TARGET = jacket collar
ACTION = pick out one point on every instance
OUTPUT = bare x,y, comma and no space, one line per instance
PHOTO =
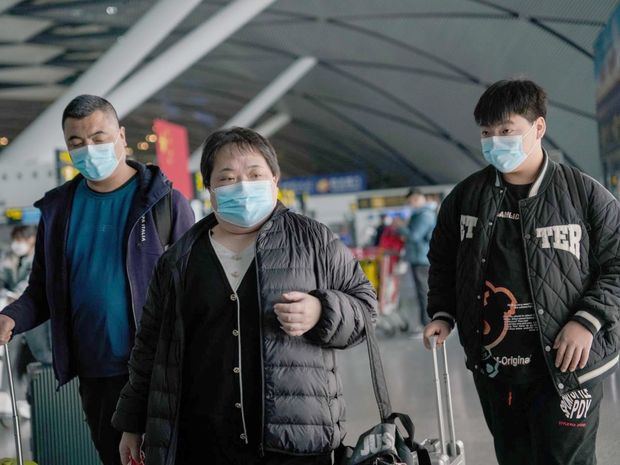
542,180
184,246
152,186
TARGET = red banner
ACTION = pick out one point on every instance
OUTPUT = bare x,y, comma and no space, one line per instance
172,149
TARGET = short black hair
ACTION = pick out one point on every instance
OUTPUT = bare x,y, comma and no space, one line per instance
23,232
518,96
241,138
85,105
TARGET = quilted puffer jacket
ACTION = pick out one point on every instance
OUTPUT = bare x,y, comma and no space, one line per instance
303,405
573,268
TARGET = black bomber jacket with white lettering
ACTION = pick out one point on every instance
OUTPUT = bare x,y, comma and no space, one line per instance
573,270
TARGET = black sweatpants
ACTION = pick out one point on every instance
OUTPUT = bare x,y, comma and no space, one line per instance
99,398
532,424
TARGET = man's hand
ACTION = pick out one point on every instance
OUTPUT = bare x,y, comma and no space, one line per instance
6,328
438,328
299,313
129,448
573,345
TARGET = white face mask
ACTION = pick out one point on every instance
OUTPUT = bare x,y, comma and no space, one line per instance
20,248
506,153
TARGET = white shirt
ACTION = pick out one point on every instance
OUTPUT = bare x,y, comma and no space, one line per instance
235,264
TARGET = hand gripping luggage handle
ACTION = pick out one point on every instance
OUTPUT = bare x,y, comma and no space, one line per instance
18,440
451,449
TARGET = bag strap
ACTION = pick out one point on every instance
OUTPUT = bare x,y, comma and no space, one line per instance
382,394
422,453
162,215
376,370
576,185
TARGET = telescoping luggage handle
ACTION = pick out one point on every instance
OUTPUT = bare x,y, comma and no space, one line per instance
18,440
452,448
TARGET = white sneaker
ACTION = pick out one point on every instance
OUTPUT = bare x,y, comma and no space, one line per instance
5,405
23,408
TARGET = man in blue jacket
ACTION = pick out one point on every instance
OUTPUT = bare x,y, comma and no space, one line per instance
98,241
417,237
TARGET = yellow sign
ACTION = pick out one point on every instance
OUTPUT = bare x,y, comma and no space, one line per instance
66,170
287,197
14,214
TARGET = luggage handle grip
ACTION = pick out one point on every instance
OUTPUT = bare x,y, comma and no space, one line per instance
18,439
451,446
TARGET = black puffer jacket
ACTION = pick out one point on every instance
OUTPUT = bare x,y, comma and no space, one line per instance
574,274
303,403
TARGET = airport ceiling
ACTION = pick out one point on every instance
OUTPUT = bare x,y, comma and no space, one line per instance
392,94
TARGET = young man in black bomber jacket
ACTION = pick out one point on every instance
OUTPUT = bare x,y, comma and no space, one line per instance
525,261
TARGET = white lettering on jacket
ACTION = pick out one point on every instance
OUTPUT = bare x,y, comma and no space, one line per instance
468,223
562,237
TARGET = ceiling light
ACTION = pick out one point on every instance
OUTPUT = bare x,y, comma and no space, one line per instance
143,146
151,138
111,10
129,151
4,141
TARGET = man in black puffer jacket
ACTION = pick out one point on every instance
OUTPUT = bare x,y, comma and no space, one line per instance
525,260
235,358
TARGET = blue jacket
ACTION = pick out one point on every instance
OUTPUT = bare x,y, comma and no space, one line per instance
418,234
47,294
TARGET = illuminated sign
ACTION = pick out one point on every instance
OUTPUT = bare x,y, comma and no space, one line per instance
65,171
328,184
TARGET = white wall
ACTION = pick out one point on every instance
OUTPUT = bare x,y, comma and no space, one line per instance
22,184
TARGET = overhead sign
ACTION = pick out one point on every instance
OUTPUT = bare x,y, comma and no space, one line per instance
23,216
381,201
327,184
172,149
65,171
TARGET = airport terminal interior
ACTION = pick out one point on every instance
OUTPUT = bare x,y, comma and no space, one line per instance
369,105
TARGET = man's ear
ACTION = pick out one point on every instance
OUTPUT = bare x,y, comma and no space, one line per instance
541,127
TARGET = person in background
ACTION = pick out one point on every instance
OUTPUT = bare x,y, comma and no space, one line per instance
344,234
235,360
17,262
15,268
384,221
97,244
391,239
417,236
525,260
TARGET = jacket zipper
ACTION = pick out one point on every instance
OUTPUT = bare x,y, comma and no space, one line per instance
531,288
486,257
245,430
65,267
261,447
174,438
133,310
